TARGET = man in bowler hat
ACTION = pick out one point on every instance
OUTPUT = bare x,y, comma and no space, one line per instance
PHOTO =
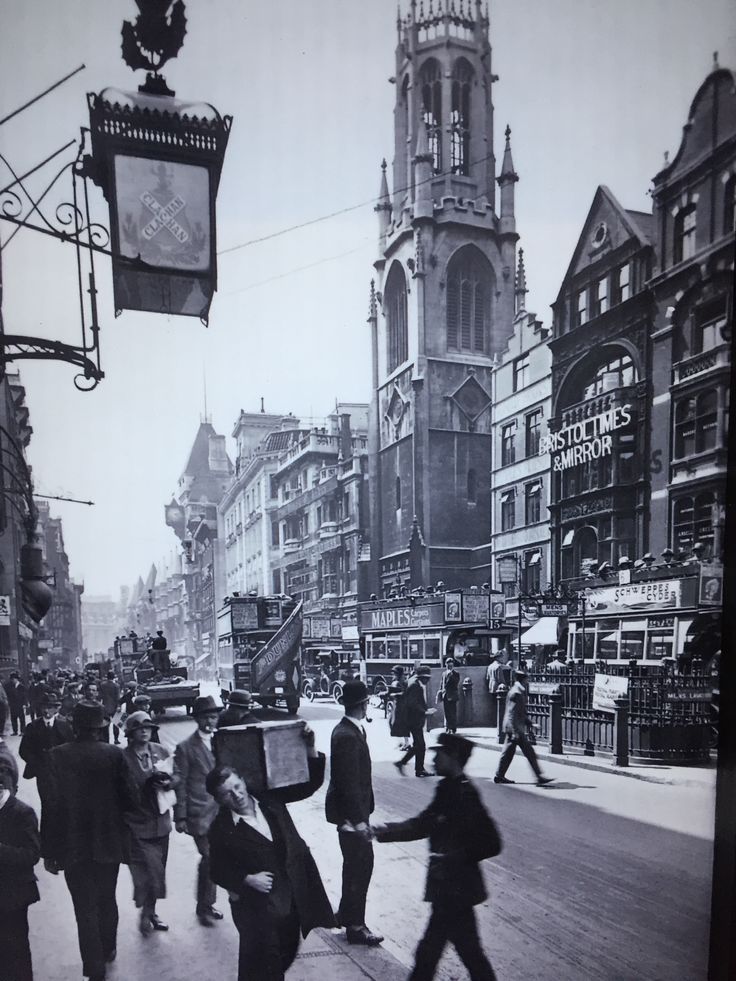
257,855
88,788
195,809
461,834
349,804
238,710
416,710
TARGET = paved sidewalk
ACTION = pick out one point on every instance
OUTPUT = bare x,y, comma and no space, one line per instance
681,776
325,955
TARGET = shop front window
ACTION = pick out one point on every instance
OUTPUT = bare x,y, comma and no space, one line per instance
607,639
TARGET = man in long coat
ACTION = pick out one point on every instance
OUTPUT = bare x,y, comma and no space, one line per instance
89,787
516,727
416,709
195,809
17,701
274,884
41,736
349,804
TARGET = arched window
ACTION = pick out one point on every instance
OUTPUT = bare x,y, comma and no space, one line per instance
472,487
613,374
394,305
398,493
729,205
462,76
431,84
469,280
685,234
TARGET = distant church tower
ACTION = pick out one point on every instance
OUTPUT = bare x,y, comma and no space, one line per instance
441,307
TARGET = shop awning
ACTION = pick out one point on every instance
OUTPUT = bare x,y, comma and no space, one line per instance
544,631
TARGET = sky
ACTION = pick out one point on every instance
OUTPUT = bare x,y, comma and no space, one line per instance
595,92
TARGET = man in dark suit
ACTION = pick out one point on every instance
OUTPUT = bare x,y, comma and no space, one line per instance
416,709
88,788
20,849
41,735
257,855
17,701
461,834
195,809
349,804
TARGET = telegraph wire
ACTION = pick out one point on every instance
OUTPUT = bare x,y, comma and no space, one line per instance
36,98
342,211
290,272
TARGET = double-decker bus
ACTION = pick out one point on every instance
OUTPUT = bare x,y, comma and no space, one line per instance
259,640
428,628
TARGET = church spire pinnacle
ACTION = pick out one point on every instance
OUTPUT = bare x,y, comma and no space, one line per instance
506,180
383,209
520,290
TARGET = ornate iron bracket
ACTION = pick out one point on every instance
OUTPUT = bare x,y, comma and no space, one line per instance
73,224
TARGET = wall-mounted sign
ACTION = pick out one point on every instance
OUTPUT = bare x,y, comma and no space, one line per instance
244,616
4,611
476,607
589,439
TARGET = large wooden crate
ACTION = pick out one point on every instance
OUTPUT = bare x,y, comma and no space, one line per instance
267,755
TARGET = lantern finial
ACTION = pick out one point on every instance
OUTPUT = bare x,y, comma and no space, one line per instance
156,36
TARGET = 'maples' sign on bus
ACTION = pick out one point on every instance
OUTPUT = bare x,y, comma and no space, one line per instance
589,439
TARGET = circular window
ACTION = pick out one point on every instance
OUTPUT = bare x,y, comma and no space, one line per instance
599,235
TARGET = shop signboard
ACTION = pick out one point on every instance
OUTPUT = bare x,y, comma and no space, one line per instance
543,688
402,617
585,440
607,688
652,595
690,695
556,609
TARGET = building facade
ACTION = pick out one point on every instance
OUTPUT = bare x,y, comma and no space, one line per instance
520,475
441,310
100,624
602,393
60,642
694,200
318,526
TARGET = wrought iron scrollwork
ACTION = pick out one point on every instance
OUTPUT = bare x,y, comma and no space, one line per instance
72,223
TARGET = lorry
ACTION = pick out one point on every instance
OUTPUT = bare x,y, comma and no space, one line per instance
166,684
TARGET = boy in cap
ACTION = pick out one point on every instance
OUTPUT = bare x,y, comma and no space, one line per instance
195,809
461,834
516,726
349,804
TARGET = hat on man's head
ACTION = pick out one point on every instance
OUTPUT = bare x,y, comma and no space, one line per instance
139,720
423,670
354,692
397,669
88,715
50,699
140,699
240,697
493,655
520,673
205,703
458,747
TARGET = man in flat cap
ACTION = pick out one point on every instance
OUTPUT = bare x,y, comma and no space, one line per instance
349,804
516,727
461,834
83,833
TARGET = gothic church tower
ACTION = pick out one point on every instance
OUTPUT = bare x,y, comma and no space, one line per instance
441,307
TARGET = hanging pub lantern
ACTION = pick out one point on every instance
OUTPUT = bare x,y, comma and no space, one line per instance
158,161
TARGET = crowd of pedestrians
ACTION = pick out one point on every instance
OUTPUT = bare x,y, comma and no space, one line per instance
103,806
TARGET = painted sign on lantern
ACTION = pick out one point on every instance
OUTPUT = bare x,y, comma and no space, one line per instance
588,439
163,212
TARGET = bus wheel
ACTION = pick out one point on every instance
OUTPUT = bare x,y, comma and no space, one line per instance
337,691
292,704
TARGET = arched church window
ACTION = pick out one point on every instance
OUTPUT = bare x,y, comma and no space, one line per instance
469,278
462,76
431,79
396,326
